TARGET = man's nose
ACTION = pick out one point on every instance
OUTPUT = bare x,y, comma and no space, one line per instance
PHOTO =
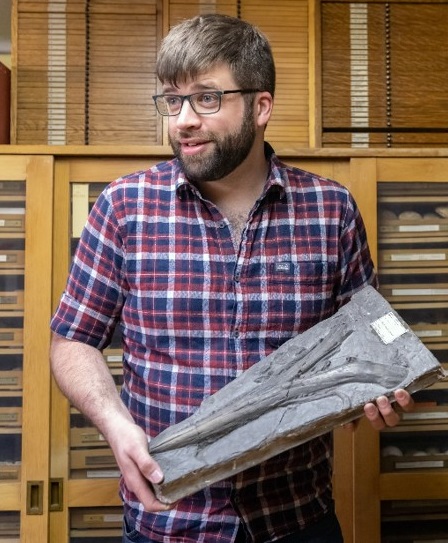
187,115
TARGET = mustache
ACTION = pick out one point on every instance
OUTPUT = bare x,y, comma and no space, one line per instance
185,134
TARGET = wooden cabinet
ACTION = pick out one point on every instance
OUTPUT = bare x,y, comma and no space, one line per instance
26,184
60,482
412,242
404,201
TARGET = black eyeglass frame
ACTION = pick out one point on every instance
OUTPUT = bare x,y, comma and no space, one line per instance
184,97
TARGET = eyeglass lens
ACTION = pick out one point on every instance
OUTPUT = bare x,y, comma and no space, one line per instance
201,102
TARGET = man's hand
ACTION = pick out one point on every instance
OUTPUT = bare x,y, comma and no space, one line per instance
138,468
382,414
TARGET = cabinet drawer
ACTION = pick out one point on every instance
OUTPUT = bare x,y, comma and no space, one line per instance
10,471
414,462
9,527
431,333
11,380
414,292
11,337
86,437
12,259
418,227
11,300
114,358
97,518
393,258
12,220
87,459
10,417
98,535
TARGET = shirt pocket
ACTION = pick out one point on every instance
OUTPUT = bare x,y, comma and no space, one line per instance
295,295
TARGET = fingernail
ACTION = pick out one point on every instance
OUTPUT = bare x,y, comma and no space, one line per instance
156,476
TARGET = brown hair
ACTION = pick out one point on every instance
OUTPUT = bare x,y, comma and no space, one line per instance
196,45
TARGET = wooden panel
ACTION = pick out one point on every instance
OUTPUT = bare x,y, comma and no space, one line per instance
381,85
10,496
32,338
413,170
414,486
36,370
82,493
76,82
285,24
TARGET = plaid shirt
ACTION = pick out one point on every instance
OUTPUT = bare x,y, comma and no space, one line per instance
195,312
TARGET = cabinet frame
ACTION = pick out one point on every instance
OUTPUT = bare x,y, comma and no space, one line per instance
379,486
37,172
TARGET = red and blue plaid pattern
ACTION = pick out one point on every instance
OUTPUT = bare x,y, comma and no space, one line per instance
195,312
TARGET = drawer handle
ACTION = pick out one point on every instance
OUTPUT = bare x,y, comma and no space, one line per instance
56,494
34,497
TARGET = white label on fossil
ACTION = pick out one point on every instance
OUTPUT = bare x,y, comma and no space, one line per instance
388,327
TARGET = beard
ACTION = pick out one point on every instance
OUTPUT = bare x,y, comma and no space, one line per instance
229,152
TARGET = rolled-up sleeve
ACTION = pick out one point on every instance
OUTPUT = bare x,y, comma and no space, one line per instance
91,304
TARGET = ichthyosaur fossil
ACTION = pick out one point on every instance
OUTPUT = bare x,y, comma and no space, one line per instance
308,373
312,383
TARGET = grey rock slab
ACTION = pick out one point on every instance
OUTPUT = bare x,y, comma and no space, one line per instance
314,382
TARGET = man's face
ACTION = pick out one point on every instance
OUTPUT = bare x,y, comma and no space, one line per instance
210,147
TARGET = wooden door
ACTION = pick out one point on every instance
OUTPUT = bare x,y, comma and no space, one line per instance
25,305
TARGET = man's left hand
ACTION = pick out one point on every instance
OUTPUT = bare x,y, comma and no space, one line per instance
382,413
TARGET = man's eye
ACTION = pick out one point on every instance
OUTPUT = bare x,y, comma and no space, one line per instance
208,98
171,100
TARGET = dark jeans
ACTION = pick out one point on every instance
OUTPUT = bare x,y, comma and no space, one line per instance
132,536
326,531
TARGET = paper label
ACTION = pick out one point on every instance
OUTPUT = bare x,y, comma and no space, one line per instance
428,333
429,415
12,211
419,291
113,518
417,257
419,228
114,358
388,328
420,464
100,474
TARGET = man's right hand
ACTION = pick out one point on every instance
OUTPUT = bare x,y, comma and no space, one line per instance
129,444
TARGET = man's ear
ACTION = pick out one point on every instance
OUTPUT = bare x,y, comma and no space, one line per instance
264,106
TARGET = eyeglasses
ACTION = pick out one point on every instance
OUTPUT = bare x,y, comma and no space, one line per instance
202,103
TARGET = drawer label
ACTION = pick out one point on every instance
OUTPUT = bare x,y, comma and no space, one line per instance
419,291
419,228
417,257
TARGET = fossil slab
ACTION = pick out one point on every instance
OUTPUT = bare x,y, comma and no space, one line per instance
311,384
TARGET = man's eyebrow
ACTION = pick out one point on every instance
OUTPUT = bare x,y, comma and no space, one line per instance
199,87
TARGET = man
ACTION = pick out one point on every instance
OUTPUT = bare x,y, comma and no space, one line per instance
209,262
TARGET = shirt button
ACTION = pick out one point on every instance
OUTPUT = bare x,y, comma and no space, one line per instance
222,224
